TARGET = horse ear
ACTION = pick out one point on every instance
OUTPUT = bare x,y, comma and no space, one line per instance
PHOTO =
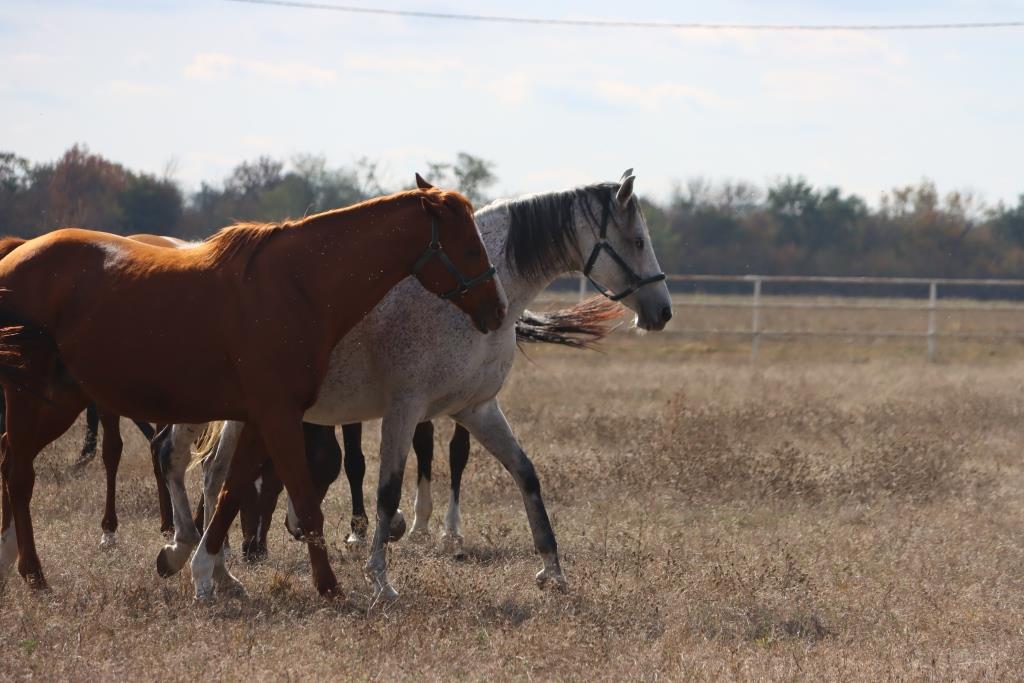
423,184
625,174
430,207
625,190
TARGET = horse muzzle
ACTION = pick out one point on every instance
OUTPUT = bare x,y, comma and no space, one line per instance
489,318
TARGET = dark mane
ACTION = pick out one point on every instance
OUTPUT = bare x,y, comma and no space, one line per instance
541,239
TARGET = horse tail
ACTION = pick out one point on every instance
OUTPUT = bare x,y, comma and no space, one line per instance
20,341
581,326
9,244
207,441
23,349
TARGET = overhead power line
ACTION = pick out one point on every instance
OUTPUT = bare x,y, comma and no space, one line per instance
600,23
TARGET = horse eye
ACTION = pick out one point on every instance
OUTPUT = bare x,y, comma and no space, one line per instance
639,242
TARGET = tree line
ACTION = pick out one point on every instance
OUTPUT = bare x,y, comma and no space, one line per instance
790,227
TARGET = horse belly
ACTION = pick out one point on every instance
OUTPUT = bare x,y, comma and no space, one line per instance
150,365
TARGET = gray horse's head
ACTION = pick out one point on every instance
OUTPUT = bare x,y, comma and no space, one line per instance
598,229
618,255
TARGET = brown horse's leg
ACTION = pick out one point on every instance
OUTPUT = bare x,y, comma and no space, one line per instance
8,536
355,470
163,495
257,512
113,447
31,425
458,457
285,443
199,516
423,447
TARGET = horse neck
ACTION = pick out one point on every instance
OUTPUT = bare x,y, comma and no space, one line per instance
494,224
358,261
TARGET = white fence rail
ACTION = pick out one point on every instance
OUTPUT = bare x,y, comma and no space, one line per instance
930,334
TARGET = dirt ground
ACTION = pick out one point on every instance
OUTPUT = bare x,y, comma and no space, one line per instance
837,511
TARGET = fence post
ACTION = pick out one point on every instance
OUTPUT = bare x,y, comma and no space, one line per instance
755,321
933,299
583,286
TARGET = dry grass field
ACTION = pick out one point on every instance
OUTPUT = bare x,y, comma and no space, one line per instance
838,511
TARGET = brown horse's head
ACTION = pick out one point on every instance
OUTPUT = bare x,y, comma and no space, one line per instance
455,265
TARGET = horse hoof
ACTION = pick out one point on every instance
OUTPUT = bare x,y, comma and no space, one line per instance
254,554
108,540
166,564
398,527
547,578
36,581
384,594
452,544
418,535
354,539
331,592
233,588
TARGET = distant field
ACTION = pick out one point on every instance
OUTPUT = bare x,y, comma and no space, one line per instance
840,511
971,317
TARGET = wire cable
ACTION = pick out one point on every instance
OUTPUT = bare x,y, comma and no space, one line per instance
600,23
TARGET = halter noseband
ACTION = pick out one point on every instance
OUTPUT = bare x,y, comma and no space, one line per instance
635,280
434,249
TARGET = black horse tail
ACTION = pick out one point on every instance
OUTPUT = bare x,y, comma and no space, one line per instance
581,326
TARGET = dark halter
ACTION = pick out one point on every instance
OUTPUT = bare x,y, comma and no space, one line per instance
635,281
434,249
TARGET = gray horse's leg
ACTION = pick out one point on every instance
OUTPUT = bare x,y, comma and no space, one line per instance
215,471
396,436
488,425
175,452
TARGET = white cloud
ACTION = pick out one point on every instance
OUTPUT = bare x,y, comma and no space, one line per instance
137,89
656,96
215,66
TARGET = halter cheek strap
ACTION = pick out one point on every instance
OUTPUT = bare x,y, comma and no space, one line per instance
434,249
635,281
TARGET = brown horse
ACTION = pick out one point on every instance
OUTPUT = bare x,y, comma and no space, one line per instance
243,330
112,446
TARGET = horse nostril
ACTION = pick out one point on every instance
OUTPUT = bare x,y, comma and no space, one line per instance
666,314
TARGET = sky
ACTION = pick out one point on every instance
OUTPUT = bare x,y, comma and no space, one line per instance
192,87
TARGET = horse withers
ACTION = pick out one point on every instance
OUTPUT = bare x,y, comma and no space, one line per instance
245,327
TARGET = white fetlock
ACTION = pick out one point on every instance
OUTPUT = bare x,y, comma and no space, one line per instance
109,539
355,539
452,542
552,577
204,591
